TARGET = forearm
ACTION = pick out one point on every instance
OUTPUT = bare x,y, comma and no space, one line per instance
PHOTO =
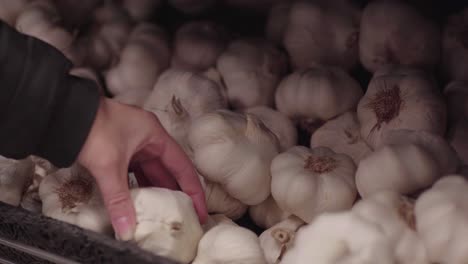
43,110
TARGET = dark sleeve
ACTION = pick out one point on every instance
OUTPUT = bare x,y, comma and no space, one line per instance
44,110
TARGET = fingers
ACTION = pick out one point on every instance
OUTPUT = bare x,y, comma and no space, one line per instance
158,175
180,166
114,190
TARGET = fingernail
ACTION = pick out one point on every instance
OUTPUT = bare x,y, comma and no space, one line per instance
123,229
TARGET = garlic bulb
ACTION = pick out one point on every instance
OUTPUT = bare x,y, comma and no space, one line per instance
457,137
393,32
107,36
394,214
456,93
455,46
192,6
267,213
198,44
307,182
31,200
42,166
402,168
15,176
235,151
336,238
442,222
251,70
400,98
278,239
141,10
167,223
228,243
318,93
437,146
142,60
41,19
179,96
10,9
72,195
342,135
218,201
278,123
323,33
278,21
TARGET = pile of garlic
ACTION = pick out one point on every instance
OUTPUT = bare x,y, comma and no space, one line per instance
332,168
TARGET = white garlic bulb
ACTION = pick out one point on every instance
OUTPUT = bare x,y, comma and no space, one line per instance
403,168
394,214
317,94
400,98
235,151
72,195
251,69
335,238
228,243
323,33
144,57
455,46
278,239
167,223
10,9
307,182
267,213
197,45
15,176
218,201
278,123
394,33
342,135
441,220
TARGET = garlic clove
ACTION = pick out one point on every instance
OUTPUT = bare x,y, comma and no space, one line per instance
342,134
279,238
308,182
167,223
267,213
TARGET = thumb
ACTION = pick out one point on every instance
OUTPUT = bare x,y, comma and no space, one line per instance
119,204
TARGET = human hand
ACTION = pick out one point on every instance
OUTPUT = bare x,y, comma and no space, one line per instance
123,136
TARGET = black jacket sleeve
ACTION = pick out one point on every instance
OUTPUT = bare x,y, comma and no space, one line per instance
44,110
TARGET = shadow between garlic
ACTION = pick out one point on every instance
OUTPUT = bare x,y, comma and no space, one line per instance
307,182
455,46
267,213
141,10
15,176
235,151
167,223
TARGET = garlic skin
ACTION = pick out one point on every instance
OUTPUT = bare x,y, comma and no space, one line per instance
435,145
394,214
278,239
323,33
455,46
441,220
167,223
251,70
71,195
303,180
267,213
141,10
229,243
393,32
278,123
456,94
400,98
342,135
198,44
15,176
218,201
41,19
143,59
192,6
235,151
335,238
402,168
317,93
278,21
180,96
10,9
